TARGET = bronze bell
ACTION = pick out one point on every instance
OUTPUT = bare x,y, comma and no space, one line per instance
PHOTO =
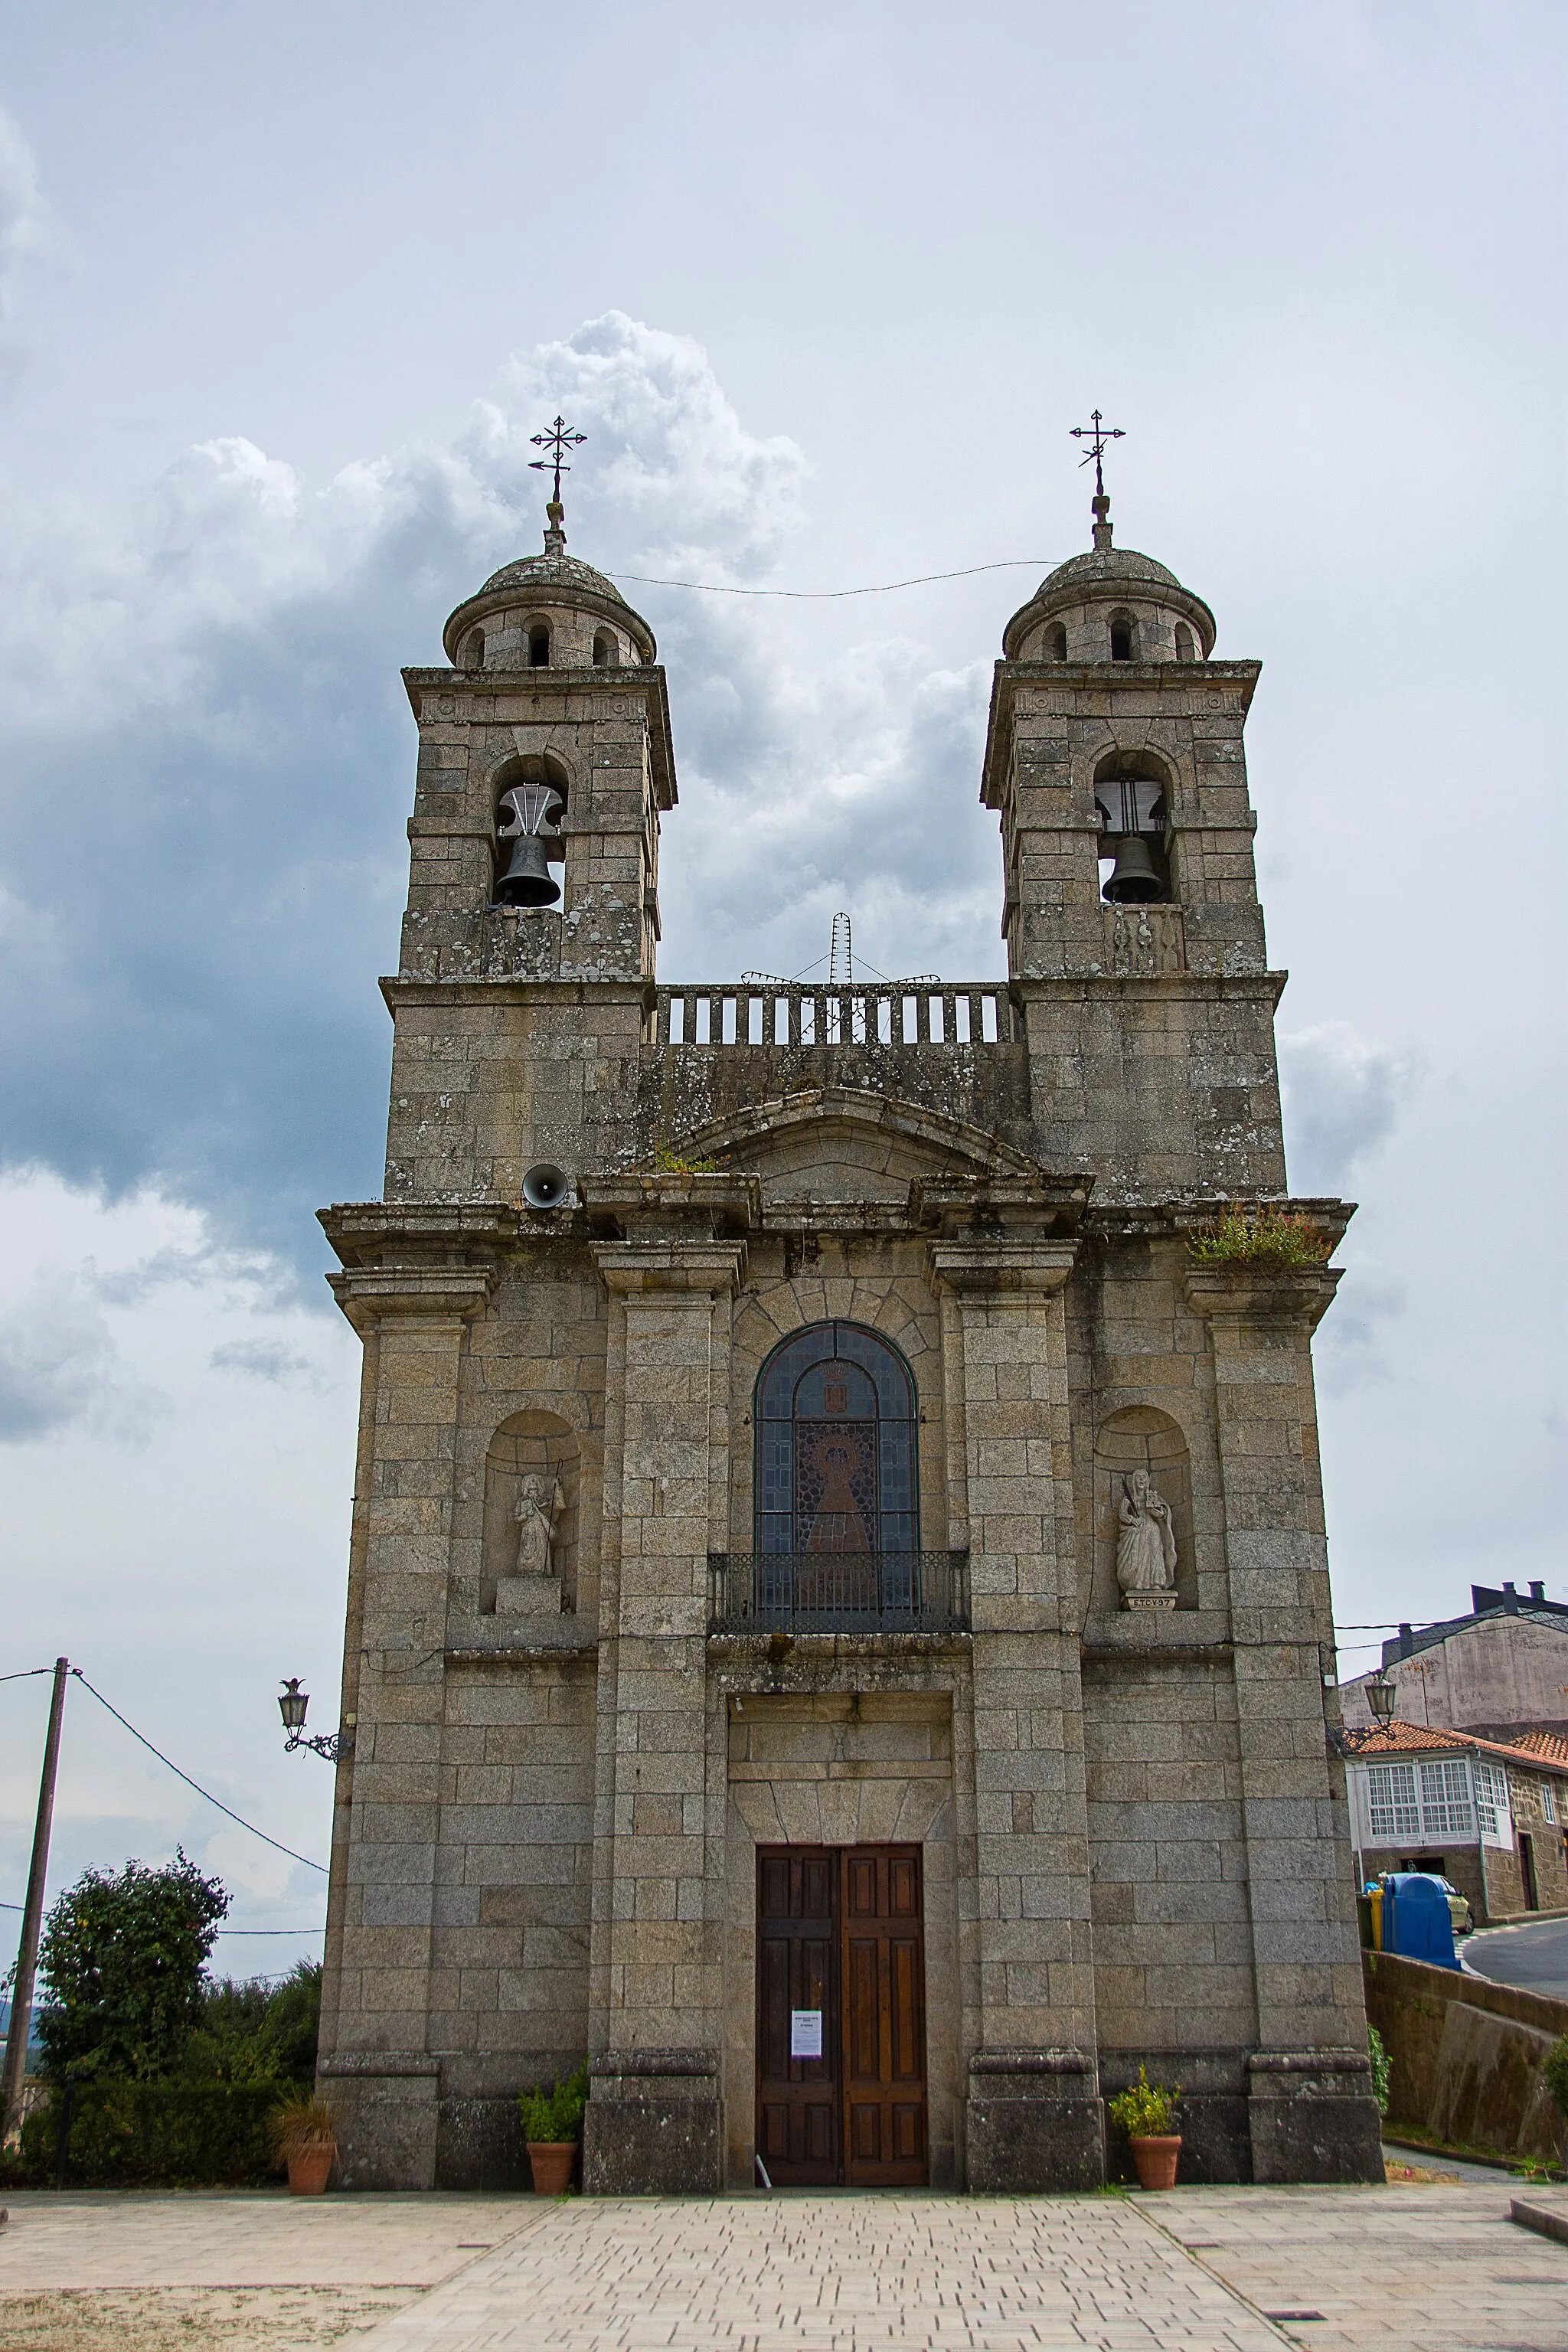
1133,881
528,881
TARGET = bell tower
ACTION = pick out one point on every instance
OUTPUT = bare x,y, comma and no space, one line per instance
1115,761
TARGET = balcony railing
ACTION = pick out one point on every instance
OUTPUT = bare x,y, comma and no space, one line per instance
799,1019
838,1593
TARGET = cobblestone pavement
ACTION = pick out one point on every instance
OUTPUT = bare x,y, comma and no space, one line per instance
1418,2268
1422,2269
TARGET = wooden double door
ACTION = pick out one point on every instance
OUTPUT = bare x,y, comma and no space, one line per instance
841,1966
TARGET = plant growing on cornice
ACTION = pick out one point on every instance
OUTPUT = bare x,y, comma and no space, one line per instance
666,1162
1261,1236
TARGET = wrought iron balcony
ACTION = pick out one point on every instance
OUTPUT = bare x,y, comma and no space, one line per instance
838,1593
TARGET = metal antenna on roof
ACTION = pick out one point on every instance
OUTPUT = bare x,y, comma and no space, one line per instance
840,954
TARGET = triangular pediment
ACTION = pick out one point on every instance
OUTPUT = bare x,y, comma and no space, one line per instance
840,1143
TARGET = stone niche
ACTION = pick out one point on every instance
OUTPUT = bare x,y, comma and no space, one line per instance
534,1446
1141,1437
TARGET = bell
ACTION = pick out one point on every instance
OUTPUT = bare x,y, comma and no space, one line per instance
1133,881
528,881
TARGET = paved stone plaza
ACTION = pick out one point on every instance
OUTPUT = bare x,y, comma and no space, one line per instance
1423,2268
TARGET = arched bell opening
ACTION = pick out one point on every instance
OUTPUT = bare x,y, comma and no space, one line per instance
1055,647
1132,796
539,644
1123,636
530,805
1185,648
606,650
471,653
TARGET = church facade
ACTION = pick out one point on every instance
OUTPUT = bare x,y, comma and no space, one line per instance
838,1630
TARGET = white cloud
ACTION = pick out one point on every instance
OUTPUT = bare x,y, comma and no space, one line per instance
1343,1095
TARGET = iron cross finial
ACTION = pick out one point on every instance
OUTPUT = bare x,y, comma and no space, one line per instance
557,441
1096,434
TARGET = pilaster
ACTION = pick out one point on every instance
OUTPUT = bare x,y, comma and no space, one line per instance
1033,2117
374,2060
1313,2115
655,2119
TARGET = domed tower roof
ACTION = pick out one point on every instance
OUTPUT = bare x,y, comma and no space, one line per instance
551,585
1112,576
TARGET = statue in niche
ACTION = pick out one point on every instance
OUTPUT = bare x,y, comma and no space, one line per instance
1146,1546
537,1509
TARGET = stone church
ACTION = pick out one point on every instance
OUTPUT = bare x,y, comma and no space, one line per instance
838,1630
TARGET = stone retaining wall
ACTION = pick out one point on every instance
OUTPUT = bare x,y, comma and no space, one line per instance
1465,2056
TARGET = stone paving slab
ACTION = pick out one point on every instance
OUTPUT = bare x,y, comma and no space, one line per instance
115,2239
1424,2268
871,2274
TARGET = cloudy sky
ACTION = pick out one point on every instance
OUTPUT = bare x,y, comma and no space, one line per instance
283,292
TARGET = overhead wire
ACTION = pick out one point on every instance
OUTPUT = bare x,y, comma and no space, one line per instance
831,595
78,1675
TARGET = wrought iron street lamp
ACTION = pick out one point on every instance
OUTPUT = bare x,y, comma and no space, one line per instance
293,1703
1381,1695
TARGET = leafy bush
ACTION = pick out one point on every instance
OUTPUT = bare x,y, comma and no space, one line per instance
556,2114
1554,2071
135,2135
121,1959
1261,1236
256,2033
1379,2057
301,2123
1145,2110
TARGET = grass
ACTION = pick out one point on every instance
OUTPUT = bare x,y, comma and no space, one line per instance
1261,1237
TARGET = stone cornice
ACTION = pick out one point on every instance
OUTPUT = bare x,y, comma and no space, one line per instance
370,1297
1094,684
407,1233
1000,1267
1259,1298
629,1270
675,1208
646,682
397,988
1190,987
986,1209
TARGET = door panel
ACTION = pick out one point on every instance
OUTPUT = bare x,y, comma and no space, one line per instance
798,1968
884,2030
842,1931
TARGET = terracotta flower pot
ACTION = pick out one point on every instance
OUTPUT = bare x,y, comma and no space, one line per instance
1156,2160
309,2168
552,2160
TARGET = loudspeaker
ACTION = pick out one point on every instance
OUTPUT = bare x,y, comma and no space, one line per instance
546,1186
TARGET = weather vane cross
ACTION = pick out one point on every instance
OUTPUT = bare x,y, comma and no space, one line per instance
557,441
1096,433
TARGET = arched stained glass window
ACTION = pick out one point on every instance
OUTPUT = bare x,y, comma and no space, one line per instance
836,1445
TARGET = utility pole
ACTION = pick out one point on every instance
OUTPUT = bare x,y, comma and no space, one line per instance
32,1919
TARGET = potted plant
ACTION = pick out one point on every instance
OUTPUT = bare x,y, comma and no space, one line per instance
552,2124
1146,2111
304,2135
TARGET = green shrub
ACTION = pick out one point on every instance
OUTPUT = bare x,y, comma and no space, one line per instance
1554,2071
1261,1236
121,1962
1146,2110
1379,2057
139,2135
556,2114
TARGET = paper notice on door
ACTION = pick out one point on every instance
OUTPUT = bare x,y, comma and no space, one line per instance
805,2033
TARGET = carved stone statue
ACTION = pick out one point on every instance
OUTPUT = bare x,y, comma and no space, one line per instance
538,1507
1146,1547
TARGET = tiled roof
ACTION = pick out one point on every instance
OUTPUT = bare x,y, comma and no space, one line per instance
1552,1745
1396,1739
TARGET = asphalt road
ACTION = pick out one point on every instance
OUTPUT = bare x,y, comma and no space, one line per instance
1534,1958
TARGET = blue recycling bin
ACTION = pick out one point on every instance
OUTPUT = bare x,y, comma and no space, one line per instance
1415,1919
